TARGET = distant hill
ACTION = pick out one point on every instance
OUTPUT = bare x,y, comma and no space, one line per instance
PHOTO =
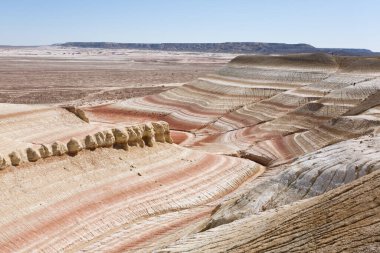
228,47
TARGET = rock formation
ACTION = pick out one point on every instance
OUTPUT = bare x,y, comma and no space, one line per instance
32,154
139,135
133,136
91,142
78,112
58,148
74,146
109,139
121,138
45,151
343,220
15,158
3,162
149,135
309,176
104,184
100,139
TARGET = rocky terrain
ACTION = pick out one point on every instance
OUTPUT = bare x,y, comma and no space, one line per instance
264,154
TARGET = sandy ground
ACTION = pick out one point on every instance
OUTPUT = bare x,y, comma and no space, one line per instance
45,75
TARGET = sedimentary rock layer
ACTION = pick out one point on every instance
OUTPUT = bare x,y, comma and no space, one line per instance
69,203
24,126
343,220
269,108
309,176
120,137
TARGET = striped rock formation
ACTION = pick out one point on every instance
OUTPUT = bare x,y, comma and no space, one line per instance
275,154
311,175
343,220
197,104
94,200
122,137
23,126
255,99
91,195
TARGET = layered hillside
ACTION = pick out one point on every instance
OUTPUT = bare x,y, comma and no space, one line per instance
269,109
343,220
298,115
92,193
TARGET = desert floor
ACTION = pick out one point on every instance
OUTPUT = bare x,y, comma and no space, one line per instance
46,75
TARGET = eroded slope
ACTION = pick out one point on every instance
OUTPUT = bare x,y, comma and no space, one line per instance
343,220
87,201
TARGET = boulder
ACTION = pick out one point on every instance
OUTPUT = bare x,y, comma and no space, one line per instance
148,135
3,162
109,139
44,151
139,130
90,142
15,158
100,139
159,130
132,140
81,114
135,134
167,136
74,146
58,148
121,138
33,155
78,112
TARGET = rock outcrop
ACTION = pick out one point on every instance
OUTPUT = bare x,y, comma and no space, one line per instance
3,162
343,220
133,136
33,155
100,139
309,176
121,138
78,112
45,151
74,146
156,194
15,158
109,140
91,142
139,135
58,148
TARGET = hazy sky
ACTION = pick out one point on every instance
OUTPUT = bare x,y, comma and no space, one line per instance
322,23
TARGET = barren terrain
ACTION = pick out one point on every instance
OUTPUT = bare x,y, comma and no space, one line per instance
44,75
260,154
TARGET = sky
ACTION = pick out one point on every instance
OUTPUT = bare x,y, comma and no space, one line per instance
321,23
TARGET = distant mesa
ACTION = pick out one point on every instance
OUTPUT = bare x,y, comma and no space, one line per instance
226,47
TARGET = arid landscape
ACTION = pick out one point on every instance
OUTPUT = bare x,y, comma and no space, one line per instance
120,150
46,75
